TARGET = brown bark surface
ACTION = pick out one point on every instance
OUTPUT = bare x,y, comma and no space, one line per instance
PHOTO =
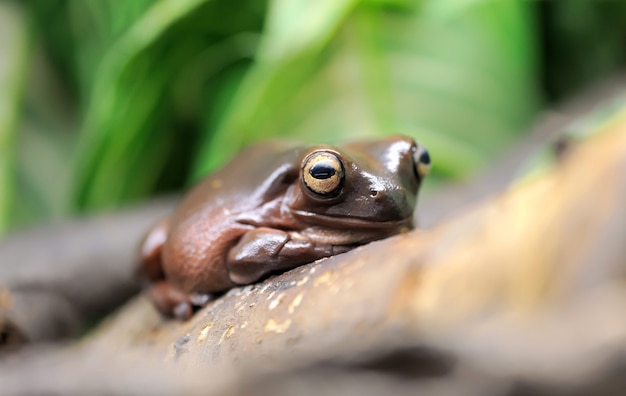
521,294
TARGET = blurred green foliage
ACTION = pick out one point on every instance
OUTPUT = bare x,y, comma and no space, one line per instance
122,100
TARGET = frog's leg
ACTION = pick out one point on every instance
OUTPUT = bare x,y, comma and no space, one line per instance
150,266
265,250
168,300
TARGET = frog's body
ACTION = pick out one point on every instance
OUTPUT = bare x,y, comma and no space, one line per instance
274,207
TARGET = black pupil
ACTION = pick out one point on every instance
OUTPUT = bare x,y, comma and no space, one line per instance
322,171
425,158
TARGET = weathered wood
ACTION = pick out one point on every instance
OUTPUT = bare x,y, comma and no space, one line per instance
523,254
522,294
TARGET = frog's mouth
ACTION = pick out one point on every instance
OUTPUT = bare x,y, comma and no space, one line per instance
354,222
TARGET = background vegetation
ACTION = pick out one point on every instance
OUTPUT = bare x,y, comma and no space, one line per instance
105,102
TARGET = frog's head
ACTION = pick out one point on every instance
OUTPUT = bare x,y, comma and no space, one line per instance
368,184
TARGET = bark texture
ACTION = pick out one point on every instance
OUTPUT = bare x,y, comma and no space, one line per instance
523,294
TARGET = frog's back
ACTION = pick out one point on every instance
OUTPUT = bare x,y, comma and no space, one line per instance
242,183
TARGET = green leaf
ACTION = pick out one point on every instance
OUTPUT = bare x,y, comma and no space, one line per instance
14,41
106,21
141,94
462,84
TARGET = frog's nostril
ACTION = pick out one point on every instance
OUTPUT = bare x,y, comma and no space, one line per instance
373,193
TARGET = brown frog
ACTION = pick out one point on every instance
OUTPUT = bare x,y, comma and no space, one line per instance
274,207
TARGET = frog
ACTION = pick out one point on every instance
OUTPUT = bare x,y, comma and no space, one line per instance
276,206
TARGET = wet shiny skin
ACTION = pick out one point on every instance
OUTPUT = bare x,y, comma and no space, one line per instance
263,213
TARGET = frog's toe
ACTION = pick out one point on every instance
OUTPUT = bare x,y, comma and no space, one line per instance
182,311
200,300
171,301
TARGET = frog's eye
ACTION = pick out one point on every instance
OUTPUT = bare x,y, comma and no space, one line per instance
421,159
323,173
